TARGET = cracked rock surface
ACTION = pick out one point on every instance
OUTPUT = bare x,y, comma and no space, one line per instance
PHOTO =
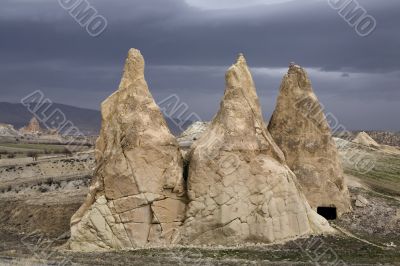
239,187
137,196
301,130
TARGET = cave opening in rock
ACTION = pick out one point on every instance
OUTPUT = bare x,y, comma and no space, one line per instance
185,170
328,213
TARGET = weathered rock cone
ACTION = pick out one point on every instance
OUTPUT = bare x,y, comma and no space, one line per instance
364,139
33,127
137,195
240,189
300,129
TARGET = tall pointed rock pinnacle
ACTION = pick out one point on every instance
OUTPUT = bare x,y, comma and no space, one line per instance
239,187
300,129
137,195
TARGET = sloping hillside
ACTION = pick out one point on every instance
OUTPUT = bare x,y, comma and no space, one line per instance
379,167
382,137
88,121
387,138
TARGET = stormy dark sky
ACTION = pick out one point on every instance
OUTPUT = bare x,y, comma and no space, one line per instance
189,44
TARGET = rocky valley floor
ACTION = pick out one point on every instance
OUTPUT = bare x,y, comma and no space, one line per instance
368,236
37,201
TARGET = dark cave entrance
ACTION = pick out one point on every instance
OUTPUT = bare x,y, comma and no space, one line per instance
328,213
185,170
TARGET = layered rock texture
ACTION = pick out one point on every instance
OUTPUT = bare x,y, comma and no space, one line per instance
239,187
300,129
137,197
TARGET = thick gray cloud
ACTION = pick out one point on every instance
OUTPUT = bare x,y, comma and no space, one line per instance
189,44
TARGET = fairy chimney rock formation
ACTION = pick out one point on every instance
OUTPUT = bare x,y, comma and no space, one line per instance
137,197
32,128
239,188
299,127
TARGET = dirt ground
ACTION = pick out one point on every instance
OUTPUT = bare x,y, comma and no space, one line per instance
35,234
35,210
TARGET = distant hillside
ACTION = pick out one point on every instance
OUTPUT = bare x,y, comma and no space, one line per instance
387,138
86,120
382,137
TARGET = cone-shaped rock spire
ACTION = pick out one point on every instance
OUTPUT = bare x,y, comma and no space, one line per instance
137,195
300,129
240,189
32,128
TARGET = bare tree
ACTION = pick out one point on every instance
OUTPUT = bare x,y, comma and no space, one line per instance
33,154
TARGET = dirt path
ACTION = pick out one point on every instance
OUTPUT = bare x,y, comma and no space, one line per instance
347,233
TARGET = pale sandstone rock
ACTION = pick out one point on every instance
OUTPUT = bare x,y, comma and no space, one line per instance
300,129
239,187
33,127
169,210
138,185
364,139
8,130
